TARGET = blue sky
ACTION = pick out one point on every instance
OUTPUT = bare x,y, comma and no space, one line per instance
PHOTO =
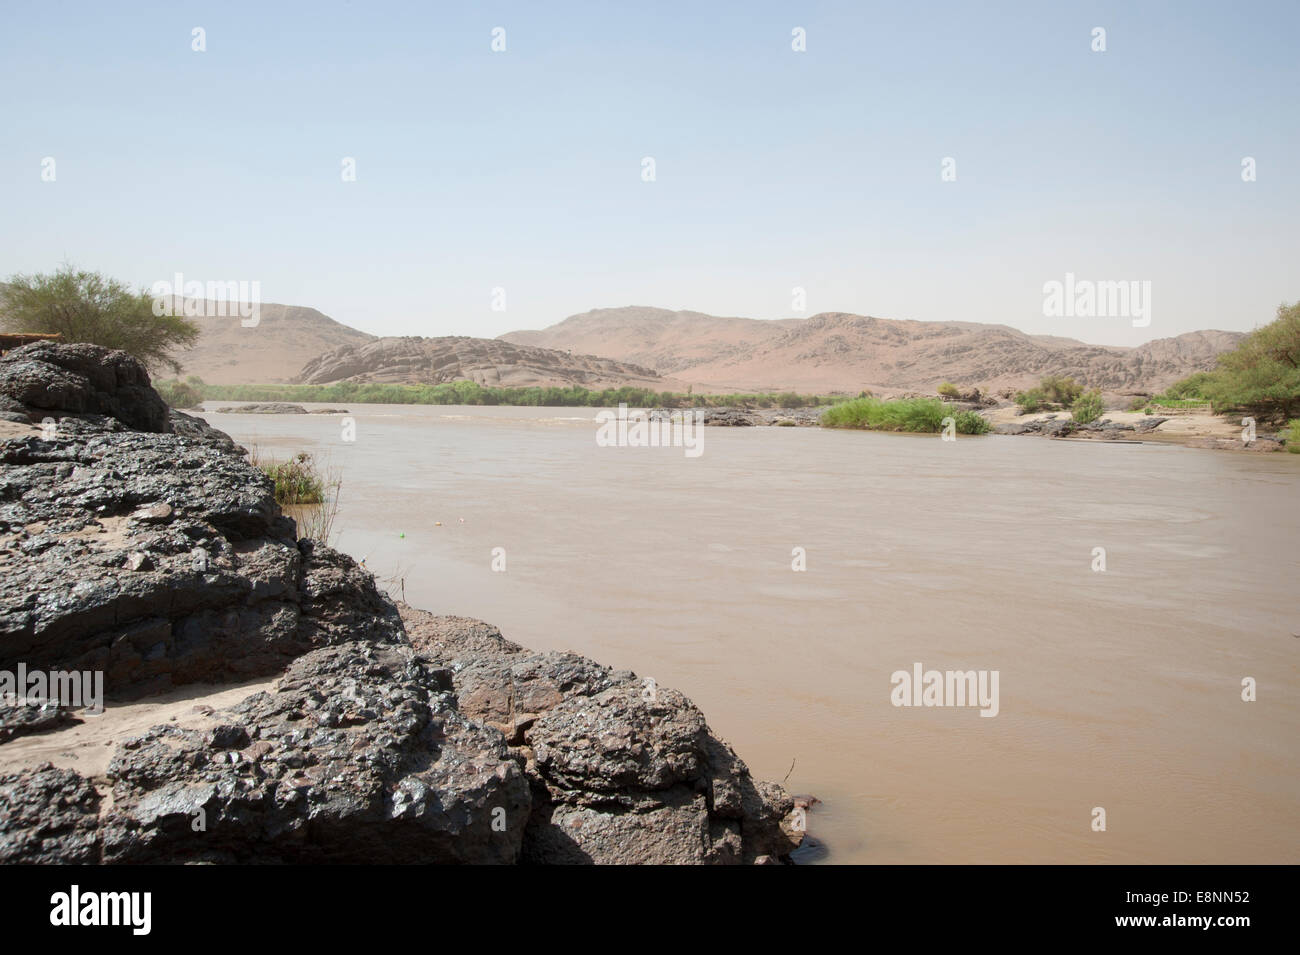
774,169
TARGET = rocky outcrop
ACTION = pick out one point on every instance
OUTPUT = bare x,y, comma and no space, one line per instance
20,717
621,770
161,560
271,407
359,756
48,816
391,735
486,361
283,339
1055,427
737,417
47,379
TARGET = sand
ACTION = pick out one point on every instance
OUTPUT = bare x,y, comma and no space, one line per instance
1181,428
88,746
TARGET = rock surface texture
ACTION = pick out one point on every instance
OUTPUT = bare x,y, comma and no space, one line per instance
487,361
143,545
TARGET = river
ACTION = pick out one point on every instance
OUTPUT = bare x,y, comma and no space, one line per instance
1119,689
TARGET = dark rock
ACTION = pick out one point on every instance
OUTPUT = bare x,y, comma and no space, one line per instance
1149,423
352,759
228,736
1058,427
47,378
23,717
1017,427
196,429
48,815
274,407
622,771
162,560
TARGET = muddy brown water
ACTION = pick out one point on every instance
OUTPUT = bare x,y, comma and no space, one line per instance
1119,689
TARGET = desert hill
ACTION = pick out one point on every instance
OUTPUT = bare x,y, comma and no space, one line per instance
841,352
285,338
488,361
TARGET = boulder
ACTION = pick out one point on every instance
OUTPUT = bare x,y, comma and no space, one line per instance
622,771
47,378
358,756
48,816
163,560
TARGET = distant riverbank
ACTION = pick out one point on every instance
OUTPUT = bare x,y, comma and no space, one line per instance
1192,427
472,393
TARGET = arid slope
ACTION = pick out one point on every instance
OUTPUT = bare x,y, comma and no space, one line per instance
841,352
488,361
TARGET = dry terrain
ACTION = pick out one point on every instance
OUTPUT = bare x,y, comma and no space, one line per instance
841,352
285,338
487,361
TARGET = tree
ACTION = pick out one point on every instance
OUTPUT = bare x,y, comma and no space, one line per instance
1262,375
1060,389
90,307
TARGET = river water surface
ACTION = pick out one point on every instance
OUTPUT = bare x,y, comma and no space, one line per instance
1119,689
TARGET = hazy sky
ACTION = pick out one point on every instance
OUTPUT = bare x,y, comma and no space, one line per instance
774,169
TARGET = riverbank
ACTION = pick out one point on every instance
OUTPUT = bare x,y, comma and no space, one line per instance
1193,429
1189,428
142,545
473,393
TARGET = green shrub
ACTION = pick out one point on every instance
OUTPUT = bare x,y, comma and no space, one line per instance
178,394
1088,407
1060,389
1292,436
1031,401
948,390
297,481
307,492
1189,387
903,414
971,422
1138,403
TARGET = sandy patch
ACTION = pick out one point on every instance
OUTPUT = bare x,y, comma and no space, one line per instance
88,746
12,429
